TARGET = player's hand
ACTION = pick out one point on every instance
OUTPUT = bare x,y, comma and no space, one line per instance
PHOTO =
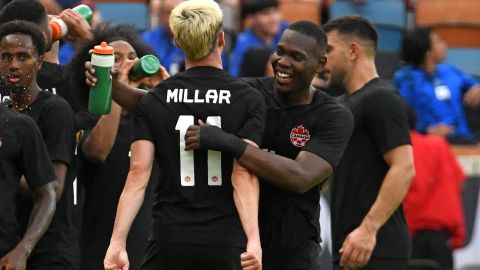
90,80
357,248
252,258
192,136
16,259
152,81
116,258
123,71
78,27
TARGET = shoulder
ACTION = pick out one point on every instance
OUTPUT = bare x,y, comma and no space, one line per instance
330,107
445,68
52,101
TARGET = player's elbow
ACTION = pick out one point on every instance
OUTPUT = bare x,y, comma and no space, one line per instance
409,171
95,154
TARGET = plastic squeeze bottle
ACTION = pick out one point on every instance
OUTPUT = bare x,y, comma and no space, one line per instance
100,98
146,66
60,29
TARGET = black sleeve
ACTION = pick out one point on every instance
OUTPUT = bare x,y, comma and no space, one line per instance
386,120
254,126
141,126
59,131
36,164
331,135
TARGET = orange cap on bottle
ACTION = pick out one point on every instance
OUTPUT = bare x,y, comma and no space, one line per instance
103,48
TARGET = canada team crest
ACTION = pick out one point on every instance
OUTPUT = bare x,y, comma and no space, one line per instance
299,136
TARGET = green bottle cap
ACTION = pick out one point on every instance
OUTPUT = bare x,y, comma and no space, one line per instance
150,64
85,12
146,66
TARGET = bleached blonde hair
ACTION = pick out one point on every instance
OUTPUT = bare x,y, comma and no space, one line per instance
195,24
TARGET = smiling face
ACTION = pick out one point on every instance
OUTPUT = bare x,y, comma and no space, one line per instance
19,62
295,62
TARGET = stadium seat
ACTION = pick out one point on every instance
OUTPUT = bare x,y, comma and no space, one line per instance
456,21
296,10
125,12
389,16
467,59
422,264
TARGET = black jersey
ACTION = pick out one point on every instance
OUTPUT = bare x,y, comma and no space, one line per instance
380,125
55,78
56,121
194,203
104,184
22,152
322,127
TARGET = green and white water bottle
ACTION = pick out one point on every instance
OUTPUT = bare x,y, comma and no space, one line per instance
100,99
148,65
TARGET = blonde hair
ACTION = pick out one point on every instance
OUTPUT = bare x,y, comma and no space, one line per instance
195,24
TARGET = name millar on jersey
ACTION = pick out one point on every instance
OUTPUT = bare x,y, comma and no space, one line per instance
179,95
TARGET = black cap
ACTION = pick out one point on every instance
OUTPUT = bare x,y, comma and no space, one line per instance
253,6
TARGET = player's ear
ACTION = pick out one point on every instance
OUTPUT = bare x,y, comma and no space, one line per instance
221,39
40,61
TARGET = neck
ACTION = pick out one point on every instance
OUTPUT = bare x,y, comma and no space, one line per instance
212,60
24,98
364,71
428,66
293,98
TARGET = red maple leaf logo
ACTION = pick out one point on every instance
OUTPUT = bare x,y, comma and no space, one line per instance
214,178
187,179
299,136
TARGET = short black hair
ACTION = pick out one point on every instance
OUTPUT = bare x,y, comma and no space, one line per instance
255,62
253,6
312,30
26,10
415,45
108,33
24,28
356,26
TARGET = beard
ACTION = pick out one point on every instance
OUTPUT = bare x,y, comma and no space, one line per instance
337,79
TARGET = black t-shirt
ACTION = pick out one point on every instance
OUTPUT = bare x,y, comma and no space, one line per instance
22,152
55,78
56,122
104,184
380,126
194,203
322,128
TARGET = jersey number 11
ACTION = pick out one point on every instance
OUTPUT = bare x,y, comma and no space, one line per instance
187,166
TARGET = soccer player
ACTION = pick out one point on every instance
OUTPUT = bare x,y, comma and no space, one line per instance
368,225
306,132
22,48
204,198
22,153
305,135
104,152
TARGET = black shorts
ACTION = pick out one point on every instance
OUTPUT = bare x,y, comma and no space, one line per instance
306,257
379,264
190,257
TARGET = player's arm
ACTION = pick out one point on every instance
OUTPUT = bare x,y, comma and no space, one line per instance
359,244
43,209
297,175
130,201
99,142
246,192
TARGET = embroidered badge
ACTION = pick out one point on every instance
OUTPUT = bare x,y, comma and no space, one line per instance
299,136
